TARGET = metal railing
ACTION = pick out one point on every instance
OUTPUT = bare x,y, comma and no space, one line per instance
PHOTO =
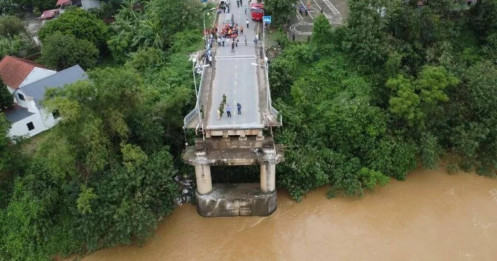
191,115
270,108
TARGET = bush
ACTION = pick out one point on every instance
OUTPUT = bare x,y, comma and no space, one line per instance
62,51
81,24
10,25
18,45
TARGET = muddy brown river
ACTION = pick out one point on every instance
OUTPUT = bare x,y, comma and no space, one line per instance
431,216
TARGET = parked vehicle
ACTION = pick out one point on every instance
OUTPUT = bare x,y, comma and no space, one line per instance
257,11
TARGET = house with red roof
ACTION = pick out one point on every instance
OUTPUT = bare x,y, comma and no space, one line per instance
27,82
17,72
49,14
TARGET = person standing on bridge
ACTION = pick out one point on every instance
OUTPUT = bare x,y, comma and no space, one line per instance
238,3
233,46
245,9
239,108
228,111
247,22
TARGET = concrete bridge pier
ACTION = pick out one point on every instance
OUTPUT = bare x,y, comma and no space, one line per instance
235,199
204,180
268,171
268,177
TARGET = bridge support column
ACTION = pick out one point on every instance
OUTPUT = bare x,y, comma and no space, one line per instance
268,177
204,180
260,136
242,136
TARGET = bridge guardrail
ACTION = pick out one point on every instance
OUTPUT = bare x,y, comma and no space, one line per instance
191,115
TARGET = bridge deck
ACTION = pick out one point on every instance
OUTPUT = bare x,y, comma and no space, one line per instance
241,75
235,75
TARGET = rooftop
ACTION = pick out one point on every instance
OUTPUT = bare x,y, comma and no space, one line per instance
58,80
17,113
14,70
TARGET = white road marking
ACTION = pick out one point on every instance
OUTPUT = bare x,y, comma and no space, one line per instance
299,17
331,7
317,4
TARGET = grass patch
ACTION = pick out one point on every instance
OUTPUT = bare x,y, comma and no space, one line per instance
31,145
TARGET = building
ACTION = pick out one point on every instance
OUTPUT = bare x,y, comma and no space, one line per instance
18,72
85,4
49,14
28,117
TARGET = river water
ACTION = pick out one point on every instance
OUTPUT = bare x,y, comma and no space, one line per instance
431,216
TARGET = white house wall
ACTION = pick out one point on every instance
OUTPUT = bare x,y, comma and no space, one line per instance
48,118
20,128
88,4
27,100
36,74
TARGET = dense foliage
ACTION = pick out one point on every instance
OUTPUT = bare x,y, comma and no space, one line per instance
82,24
280,10
104,175
10,25
61,51
18,6
6,99
400,84
14,40
133,29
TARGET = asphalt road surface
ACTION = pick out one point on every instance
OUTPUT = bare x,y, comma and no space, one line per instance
236,77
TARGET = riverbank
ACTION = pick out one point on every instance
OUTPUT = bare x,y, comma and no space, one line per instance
431,216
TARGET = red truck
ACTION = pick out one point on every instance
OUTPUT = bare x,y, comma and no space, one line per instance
257,11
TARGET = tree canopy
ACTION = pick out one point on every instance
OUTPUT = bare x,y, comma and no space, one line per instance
61,51
6,98
80,23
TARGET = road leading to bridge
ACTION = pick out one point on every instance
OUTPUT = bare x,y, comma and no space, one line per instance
235,75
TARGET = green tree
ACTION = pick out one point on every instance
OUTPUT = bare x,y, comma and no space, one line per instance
5,154
281,10
322,34
171,17
62,51
10,26
484,18
18,45
6,99
366,41
80,23
415,101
